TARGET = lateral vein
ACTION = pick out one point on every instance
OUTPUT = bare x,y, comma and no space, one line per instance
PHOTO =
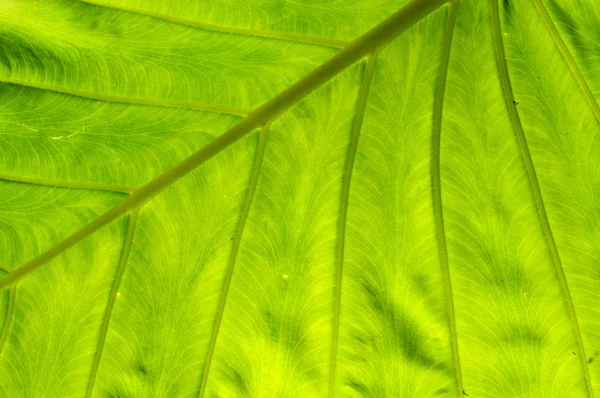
111,301
68,184
131,100
535,187
347,179
562,48
437,188
377,37
12,293
5,267
322,41
260,152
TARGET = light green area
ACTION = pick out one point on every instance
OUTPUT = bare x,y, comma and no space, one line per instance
578,23
394,336
164,310
33,218
514,334
232,269
335,19
281,292
96,141
94,49
55,324
565,144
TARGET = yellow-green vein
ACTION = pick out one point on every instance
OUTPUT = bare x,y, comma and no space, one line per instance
12,295
437,187
260,152
535,187
377,37
131,100
111,301
323,41
341,232
68,184
562,48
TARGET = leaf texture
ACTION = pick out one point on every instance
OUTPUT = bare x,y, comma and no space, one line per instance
270,198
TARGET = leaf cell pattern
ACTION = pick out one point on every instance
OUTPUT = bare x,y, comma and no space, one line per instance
273,198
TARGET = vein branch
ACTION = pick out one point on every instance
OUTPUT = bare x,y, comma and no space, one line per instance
376,38
68,184
323,41
562,48
12,295
260,153
437,188
130,100
356,127
535,187
111,301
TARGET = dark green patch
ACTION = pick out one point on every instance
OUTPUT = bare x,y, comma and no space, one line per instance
403,330
4,60
238,381
142,368
113,394
569,25
411,341
357,386
504,272
508,12
523,335
272,324
25,52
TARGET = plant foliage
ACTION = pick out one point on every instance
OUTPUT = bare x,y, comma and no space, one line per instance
278,198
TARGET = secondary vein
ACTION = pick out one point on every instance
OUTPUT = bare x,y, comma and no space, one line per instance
356,127
260,153
131,100
111,301
535,187
562,48
68,184
12,293
5,267
323,41
437,188
377,37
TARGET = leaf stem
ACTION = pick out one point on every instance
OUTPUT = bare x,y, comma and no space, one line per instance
111,301
535,187
260,153
437,187
356,127
377,37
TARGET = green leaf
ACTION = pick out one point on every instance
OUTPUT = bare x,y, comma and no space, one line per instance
271,198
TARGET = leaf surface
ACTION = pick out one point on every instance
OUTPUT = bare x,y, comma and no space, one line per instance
276,198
